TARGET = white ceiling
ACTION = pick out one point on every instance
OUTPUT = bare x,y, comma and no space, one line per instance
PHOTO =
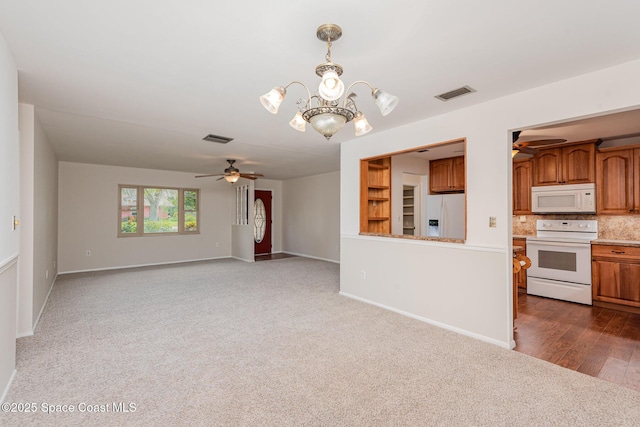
140,83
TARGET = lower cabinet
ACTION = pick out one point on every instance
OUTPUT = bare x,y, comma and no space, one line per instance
520,278
615,274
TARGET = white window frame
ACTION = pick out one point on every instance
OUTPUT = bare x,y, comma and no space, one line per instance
140,210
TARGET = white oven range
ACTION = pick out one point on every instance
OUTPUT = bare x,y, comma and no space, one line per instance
560,256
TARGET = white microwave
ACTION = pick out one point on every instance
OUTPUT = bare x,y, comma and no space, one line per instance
576,198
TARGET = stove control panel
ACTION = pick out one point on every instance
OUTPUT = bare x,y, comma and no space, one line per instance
576,225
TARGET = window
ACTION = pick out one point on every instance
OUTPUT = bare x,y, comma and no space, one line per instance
147,211
242,205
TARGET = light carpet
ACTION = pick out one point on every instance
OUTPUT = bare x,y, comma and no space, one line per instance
273,344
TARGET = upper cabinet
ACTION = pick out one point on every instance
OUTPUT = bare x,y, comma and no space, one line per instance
522,181
573,164
447,175
618,180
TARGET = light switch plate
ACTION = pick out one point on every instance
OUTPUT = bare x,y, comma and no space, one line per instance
492,222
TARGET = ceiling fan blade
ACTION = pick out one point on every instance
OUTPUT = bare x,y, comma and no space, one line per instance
251,175
222,177
204,176
541,142
527,150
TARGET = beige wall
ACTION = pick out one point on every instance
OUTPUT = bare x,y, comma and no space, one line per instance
45,220
469,290
88,219
311,216
9,206
27,184
39,220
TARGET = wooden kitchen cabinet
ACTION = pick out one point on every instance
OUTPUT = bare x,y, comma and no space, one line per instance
522,182
520,278
447,175
569,164
375,195
615,272
618,180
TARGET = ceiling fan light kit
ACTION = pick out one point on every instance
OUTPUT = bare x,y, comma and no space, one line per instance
232,174
324,110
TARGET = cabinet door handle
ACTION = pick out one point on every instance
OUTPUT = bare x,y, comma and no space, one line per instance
617,252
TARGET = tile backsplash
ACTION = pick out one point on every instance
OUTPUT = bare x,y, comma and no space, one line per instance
613,227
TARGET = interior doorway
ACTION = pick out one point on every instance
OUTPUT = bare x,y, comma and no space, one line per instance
411,204
262,222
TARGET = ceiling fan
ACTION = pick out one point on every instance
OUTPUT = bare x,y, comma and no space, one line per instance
525,146
232,174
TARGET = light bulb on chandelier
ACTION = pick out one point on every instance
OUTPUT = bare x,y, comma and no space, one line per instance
326,113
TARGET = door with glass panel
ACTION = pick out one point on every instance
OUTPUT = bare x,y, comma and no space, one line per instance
262,222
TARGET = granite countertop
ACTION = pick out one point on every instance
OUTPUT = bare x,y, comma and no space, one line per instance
631,243
405,236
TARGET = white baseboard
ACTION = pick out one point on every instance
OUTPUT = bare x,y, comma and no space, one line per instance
6,389
243,259
46,300
502,344
142,265
312,257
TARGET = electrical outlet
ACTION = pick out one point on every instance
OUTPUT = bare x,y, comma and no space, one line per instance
88,253
492,222
523,218
363,274
46,274
54,264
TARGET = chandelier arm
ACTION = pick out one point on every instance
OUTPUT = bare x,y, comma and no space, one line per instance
344,104
303,85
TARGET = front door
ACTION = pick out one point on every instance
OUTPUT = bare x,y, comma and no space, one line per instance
262,222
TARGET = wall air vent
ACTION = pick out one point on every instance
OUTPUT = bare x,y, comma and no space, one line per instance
455,93
217,138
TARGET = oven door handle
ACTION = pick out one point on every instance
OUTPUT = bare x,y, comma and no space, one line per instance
533,243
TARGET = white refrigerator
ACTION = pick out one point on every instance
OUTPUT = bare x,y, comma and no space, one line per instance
445,216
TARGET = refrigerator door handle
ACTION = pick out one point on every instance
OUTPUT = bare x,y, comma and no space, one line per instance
443,216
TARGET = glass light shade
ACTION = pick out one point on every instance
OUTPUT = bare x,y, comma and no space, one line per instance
331,87
233,177
385,101
298,122
361,124
272,100
328,124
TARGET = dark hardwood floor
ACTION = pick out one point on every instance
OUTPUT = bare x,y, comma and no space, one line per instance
596,341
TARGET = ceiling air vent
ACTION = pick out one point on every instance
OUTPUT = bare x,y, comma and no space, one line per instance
455,93
217,138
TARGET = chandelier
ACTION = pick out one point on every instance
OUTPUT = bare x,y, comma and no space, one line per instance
325,111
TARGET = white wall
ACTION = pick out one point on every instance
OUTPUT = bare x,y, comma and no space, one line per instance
45,220
311,216
38,222
88,219
9,206
26,115
479,293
